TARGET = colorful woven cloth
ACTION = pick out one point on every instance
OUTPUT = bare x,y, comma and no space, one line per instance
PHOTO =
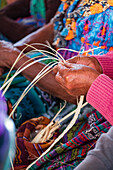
73,147
26,151
84,25
38,11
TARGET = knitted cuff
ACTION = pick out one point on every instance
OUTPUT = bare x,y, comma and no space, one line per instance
100,96
106,62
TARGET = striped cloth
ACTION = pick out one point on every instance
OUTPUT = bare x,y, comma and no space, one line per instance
26,151
73,147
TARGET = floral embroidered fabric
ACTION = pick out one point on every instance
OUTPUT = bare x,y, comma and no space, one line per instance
85,25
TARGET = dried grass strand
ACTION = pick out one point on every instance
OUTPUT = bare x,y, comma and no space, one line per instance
39,135
40,44
64,132
11,164
26,63
30,64
38,77
71,113
79,52
28,45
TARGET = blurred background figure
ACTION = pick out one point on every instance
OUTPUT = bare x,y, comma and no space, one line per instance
22,17
7,136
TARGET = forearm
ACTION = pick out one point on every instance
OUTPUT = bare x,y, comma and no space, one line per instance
47,83
19,8
9,27
13,30
42,35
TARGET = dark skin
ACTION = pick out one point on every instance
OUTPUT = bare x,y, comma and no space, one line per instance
41,35
48,83
63,85
77,74
9,27
15,31
87,61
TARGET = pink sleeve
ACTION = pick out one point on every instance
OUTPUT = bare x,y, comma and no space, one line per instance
106,62
100,96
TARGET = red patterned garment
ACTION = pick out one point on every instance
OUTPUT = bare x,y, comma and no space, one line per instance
26,151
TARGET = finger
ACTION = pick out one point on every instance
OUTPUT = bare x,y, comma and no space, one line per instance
59,79
66,71
74,59
39,119
62,69
69,65
55,69
75,92
74,66
38,127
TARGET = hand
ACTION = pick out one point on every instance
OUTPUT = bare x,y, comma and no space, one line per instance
8,55
88,61
76,79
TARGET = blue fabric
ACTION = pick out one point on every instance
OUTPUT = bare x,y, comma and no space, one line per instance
31,105
94,31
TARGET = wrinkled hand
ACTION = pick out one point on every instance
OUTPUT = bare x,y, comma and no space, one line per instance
88,61
8,55
76,79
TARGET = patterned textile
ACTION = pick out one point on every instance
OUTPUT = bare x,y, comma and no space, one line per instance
38,11
28,21
73,147
26,151
84,25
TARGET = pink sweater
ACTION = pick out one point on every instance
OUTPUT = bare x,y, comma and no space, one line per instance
100,94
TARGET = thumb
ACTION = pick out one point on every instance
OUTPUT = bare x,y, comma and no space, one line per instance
55,69
69,65
74,59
